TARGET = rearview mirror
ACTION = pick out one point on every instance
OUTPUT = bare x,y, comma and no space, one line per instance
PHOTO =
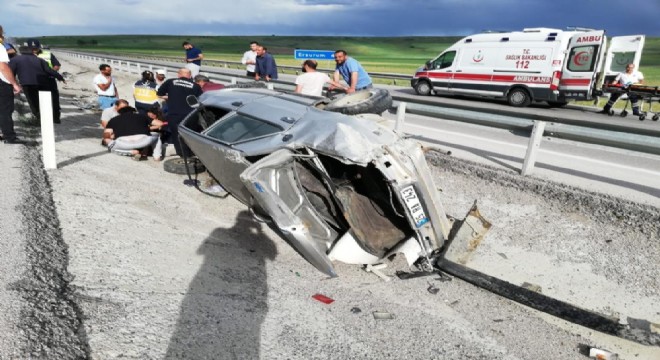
192,101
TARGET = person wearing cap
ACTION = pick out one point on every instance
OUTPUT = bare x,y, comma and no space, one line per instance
311,81
194,58
206,84
144,92
33,73
8,88
160,77
54,64
105,87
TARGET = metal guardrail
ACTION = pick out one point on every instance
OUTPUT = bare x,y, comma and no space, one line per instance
641,140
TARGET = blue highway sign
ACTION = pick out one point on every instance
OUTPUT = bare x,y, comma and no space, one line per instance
313,54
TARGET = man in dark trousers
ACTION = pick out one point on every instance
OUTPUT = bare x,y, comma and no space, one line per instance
175,91
32,73
54,64
8,88
265,68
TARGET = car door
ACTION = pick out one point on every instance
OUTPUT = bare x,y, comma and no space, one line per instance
274,183
441,71
581,64
623,50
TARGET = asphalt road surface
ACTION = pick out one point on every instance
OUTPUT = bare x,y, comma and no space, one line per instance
133,264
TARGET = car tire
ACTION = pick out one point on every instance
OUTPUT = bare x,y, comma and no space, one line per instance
248,85
519,97
374,101
423,88
557,104
178,166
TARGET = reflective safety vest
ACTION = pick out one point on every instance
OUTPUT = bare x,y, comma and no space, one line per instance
145,94
45,54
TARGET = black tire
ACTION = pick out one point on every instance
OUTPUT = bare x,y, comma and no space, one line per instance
556,104
374,101
248,85
655,117
642,117
519,97
624,113
423,88
178,166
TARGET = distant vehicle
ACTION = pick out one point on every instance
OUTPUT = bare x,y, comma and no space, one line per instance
335,186
536,64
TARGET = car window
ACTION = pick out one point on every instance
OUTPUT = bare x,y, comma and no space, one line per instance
240,128
583,58
444,61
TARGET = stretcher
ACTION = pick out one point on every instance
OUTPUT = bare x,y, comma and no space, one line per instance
646,95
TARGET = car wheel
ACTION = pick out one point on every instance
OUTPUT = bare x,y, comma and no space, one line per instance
519,97
247,85
423,88
374,101
555,104
178,166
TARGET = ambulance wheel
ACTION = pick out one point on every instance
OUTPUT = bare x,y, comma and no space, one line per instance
423,88
642,117
519,97
624,113
655,117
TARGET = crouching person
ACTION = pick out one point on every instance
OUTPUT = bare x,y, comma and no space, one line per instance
129,134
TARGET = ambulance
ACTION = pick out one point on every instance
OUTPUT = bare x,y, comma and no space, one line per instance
533,65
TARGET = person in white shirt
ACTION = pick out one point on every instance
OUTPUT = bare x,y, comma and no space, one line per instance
624,80
250,59
311,81
105,87
8,88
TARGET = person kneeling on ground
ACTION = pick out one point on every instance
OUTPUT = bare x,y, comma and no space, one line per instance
129,134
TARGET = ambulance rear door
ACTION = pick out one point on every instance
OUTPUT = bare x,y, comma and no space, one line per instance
581,64
623,51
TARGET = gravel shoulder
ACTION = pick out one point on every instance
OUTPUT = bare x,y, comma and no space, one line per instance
160,270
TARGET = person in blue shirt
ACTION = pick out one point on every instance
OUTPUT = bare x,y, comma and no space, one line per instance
352,72
194,58
265,68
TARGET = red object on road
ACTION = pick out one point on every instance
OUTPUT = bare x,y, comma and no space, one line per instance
322,298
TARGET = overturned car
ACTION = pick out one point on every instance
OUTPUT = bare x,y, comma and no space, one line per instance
337,187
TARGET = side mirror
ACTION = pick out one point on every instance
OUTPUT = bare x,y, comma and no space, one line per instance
428,65
192,101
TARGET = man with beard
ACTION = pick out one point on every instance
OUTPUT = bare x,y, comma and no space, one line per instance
352,72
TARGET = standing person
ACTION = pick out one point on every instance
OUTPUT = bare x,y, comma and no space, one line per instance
175,92
265,65
105,87
8,88
33,72
194,58
352,72
144,92
206,84
250,59
54,64
625,79
311,81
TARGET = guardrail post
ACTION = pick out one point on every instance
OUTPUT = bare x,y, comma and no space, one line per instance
400,116
270,86
47,131
138,68
233,80
532,148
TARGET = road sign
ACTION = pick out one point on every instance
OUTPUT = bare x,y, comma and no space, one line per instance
299,54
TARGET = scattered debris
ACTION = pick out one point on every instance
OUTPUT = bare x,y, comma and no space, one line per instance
503,256
498,320
322,298
608,241
599,354
191,182
383,315
413,275
443,277
531,287
376,270
356,310
432,289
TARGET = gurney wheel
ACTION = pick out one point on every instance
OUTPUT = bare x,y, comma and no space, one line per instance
624,113
655,117
642,117
610,113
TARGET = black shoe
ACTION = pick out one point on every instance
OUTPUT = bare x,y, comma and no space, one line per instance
14,141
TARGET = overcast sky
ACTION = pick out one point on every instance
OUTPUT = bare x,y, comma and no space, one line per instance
322,17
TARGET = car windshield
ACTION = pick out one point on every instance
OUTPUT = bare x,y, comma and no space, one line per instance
240,128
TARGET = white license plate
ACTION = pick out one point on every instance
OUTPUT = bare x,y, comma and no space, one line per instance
412,202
